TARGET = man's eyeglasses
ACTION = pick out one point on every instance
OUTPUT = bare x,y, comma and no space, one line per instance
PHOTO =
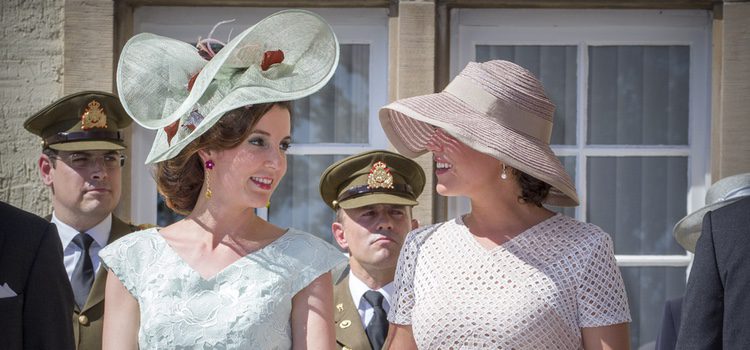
82,161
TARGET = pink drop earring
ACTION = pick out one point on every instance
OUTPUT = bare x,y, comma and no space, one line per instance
503,175
209,166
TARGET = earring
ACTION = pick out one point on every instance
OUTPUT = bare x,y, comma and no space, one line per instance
503,175
209,166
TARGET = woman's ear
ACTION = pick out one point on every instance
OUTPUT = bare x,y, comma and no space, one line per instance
205,154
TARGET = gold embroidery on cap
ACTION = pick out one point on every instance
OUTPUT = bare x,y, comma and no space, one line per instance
380,176
93,116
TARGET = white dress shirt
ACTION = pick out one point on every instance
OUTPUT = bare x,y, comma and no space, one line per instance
71,252
358,290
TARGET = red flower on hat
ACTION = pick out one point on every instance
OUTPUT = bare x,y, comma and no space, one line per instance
171,130
191,81
271,58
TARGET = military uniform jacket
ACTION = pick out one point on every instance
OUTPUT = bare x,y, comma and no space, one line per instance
350,334
87,322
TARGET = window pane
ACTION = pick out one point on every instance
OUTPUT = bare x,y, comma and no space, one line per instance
555,66
638,95
570,166
339,112
296,202
648,289
638,200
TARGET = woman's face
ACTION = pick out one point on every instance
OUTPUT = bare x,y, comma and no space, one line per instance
461,170
251,171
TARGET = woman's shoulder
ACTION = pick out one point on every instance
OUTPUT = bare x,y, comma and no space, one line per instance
306,256
570,228
422,234
295,237
146,236
304,245
566,236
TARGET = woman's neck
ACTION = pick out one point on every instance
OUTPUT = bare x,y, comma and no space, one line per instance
503,215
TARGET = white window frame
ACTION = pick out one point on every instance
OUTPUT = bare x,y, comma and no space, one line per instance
584,28
351,25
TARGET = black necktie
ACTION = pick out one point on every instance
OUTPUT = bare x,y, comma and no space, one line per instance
83,273
377,329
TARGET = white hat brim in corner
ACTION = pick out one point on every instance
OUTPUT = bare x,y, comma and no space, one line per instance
153,74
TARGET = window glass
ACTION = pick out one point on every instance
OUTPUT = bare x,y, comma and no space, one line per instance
297,202
648,289
638,95
339,112
638,200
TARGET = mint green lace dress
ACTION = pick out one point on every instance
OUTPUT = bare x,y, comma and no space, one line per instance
247,305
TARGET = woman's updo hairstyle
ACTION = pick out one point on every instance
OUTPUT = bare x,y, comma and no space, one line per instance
180,179
533,190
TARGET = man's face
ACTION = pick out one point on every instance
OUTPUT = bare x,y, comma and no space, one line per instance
83,182
373,234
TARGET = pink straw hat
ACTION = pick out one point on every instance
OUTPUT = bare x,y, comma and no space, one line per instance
497,108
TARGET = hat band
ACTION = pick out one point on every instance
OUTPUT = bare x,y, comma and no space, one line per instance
61,137
507,114
365,189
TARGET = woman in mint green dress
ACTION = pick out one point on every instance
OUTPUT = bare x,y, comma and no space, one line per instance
222,278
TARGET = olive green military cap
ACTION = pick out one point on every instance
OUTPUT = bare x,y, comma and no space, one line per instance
87,120
369,178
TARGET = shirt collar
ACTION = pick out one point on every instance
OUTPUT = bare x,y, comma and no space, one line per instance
358,289
100,232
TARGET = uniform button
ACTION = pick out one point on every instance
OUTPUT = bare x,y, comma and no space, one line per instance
83,320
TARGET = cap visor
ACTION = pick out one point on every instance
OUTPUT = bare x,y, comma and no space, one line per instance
376,198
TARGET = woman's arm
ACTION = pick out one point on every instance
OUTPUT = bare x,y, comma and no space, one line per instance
121,316
400,337
613,337
312,315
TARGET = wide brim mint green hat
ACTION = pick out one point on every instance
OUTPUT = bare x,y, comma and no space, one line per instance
154,72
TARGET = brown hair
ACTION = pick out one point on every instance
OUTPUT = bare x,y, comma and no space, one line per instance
533,190
179,179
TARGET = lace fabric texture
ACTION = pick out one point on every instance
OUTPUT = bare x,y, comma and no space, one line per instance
533,292
245,306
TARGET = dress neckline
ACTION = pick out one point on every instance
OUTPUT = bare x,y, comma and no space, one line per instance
519,237
236,263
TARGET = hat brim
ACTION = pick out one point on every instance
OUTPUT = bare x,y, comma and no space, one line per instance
153,73
87,146
409,123
688,230
376,198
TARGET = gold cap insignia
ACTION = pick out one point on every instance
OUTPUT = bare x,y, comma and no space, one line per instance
93,116
345,324
380,176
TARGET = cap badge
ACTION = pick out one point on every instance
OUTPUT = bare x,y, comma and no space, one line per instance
93,116
380,176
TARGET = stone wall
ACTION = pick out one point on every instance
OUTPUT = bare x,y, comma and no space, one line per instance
31,71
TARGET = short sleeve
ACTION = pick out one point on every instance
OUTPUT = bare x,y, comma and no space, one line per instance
127,257
315,258
403,299
601,292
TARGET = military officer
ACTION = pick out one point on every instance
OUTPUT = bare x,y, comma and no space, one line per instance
81,163
373,194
